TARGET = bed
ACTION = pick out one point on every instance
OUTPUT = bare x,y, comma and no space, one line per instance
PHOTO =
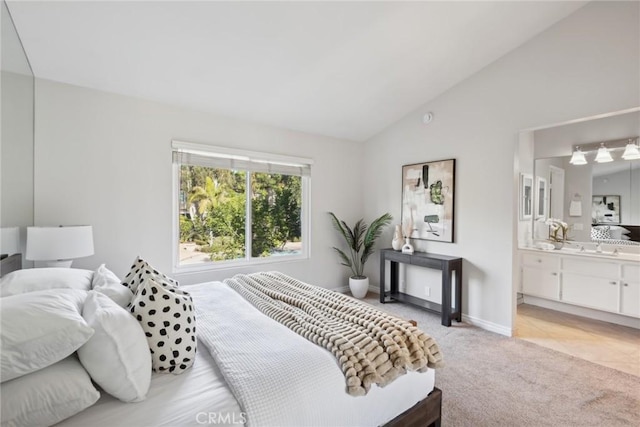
211,391
626,235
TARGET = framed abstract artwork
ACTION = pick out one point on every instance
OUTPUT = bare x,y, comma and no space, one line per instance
605,209
428,200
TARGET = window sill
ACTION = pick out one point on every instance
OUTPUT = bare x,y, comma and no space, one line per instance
235,264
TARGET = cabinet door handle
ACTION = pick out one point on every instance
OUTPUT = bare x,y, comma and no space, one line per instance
625,284
539,260
554,274
613,283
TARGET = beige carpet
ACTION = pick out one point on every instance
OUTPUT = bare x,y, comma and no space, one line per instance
492,380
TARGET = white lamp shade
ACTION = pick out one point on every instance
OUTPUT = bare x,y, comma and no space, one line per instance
577,158
10,240
603,155
59,243
631,152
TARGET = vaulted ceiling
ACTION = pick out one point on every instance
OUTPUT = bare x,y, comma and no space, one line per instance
342,69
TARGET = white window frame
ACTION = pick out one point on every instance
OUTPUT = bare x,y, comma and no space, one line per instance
243,155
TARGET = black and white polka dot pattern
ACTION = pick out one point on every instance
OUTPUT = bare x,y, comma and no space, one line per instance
141,270
600,233
168,319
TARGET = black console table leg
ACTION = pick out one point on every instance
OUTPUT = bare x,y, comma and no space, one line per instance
446,297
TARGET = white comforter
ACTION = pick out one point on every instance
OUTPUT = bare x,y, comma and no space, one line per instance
281,379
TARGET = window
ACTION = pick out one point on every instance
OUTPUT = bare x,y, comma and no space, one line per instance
238,207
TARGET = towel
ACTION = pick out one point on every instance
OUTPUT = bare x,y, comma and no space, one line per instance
575,208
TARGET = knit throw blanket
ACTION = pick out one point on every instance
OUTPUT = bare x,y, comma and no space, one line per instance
371,347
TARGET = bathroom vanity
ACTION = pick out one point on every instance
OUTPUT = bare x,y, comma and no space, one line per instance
606,282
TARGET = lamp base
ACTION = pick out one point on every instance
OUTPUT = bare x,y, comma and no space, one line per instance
57,264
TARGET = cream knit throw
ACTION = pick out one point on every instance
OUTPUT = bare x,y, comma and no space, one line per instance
372,347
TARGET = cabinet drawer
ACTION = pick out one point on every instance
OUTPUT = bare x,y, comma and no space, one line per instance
631,272
589,291
549,262
591,267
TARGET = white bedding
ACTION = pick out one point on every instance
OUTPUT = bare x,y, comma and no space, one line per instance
173,400
201,396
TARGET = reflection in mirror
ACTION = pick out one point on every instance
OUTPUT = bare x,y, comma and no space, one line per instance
599,201
17,136
565,191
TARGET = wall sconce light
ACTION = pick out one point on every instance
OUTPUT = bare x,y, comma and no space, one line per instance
603,155
59,246
604,149
577,158
631,151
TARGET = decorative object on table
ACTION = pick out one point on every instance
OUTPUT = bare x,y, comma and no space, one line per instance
396,242
428,199
59,246
360,241
558,232
407,248
605,209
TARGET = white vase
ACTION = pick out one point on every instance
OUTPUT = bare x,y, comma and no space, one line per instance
396,243
359,287
407,248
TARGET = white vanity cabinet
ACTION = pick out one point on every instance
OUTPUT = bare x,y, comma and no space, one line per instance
630,290
599,283
590,283
540,275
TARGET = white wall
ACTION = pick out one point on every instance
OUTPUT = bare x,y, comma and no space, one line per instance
585,65
105,160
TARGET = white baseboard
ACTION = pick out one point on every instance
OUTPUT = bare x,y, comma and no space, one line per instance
488,326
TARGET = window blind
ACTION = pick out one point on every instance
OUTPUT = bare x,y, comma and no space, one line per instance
225,161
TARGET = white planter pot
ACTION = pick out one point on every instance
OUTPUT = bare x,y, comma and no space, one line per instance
359,287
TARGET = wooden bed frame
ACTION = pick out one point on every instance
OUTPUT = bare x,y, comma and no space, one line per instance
426,413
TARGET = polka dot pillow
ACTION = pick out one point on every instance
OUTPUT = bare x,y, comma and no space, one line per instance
141,270
600,233
168,319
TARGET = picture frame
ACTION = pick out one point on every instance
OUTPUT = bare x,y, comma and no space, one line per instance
526,196
605,209
541,197
428,195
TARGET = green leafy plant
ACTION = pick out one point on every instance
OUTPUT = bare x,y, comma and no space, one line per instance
360,241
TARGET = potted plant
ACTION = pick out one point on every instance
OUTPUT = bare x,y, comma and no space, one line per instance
360,241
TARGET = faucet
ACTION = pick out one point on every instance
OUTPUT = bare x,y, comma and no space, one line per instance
616,251
599,247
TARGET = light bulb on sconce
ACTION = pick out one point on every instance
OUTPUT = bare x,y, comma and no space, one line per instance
631,151
603,156
577,158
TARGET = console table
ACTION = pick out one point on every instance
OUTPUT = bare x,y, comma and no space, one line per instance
447,264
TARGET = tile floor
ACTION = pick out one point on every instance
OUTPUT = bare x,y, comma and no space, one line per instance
615,346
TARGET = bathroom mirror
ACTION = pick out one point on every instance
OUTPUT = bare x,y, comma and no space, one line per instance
586,196
17,137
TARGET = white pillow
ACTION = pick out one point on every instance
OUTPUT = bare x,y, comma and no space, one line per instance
47,396
40,279
39,329
107,283
617,232
167,316
117,356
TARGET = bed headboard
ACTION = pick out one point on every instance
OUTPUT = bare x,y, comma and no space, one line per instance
10,263
635,232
